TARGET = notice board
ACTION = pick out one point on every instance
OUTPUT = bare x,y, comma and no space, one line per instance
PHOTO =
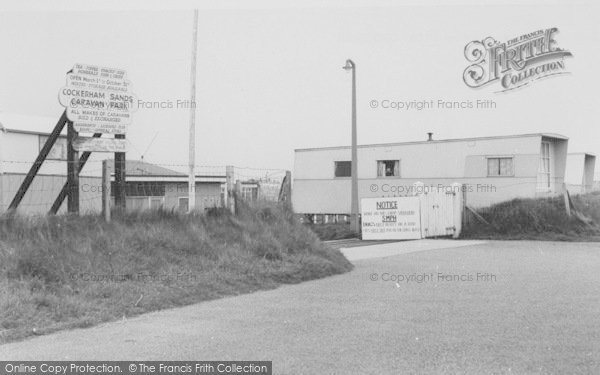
393,218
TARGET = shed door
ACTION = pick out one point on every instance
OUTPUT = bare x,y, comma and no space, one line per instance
439,212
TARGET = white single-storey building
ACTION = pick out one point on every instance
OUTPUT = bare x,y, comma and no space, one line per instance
579,175
150,186
21,139
491,169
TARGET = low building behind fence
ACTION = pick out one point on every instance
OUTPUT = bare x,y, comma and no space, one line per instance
148,185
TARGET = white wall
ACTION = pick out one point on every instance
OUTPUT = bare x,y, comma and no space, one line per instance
2,183
20,151
436,164
558,163
418,160
588,174
574,169
579,173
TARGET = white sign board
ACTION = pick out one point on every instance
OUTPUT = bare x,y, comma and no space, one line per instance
98,100
394,218
100,144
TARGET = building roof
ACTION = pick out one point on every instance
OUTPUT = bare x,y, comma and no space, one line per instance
28,124
582,153
139,170
142,168
548,135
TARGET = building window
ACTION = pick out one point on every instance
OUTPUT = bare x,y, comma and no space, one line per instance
343,169
58,150
500,167
388,168
184,204
136,203
544,170
144,203
250,193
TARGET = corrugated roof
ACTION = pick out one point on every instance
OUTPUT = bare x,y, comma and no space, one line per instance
140,168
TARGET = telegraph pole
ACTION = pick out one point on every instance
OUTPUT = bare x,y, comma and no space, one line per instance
192,133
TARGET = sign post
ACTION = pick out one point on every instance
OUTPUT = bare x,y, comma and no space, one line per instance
106,190
120,177
72,171
98,100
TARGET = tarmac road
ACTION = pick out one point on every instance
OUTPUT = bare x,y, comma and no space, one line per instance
371,320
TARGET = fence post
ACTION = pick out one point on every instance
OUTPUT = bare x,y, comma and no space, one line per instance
229,200
285,193
237,195
566,198
419,191
106,190
457,208
464,219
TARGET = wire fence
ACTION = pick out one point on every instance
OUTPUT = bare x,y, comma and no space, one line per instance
149,185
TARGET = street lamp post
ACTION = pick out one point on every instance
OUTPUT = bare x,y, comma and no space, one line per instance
354,164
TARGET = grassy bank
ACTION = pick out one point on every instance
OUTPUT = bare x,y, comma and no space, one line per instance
64,272
538,219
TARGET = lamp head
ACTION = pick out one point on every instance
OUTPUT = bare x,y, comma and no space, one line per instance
349,65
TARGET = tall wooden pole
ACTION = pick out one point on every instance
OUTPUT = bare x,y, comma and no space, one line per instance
192,135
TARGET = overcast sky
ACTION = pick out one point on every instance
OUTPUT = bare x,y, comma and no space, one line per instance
270,76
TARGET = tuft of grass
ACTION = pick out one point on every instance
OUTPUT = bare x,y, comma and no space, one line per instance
76,271
333,231
538,219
